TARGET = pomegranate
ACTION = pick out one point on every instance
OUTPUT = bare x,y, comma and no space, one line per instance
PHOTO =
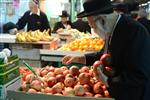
98,96
75,81
106,93
32,91
84,78
97,88
88,94
48,90
104,87
69,75
58,71
84,69
57,88
51,69
91,73
51,81
69,91
60,78
66,72
106,59
36,84
74,70
50,74
69,82
43,72
29,78
23,86
79,90
64,68
87,88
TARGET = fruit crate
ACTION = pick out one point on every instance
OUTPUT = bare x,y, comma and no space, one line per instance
17,95
9,75
12,85
13,61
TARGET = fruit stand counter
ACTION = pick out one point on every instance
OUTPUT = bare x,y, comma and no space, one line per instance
26,96
29,51
51,55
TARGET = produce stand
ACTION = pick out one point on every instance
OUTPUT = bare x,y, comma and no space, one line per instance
29,51
26,96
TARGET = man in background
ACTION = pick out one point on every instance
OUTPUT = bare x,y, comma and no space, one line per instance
81,25
34,18
63,24
142,18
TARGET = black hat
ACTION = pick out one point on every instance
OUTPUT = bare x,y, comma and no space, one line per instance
121,7
8,26
64,14
93,7
36,1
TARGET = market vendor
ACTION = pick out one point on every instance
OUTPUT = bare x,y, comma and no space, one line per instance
63,24
34,18
128,44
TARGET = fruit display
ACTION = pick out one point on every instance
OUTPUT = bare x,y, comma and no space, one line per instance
74,33
84,44
63,81
33,36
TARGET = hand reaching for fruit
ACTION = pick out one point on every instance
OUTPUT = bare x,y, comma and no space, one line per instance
73,59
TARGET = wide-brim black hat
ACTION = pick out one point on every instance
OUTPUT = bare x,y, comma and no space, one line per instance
36,1
64,14
94,7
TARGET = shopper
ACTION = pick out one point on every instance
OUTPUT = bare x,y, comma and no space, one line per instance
81,25
142,18
64,23
34,18
10,27
128,43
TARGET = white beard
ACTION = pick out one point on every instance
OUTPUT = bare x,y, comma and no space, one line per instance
105,24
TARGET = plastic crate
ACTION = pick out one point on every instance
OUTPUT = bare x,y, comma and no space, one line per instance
9,75
12,85
13,61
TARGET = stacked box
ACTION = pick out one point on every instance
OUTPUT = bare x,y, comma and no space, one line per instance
9,75
13,61
9,71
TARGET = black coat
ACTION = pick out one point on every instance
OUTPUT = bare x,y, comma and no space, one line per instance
33,22
59,25
145,22
130,51
82,26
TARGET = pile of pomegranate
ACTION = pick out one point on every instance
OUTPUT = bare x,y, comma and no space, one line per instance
63,81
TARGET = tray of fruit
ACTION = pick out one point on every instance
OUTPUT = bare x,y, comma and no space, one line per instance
33,36
84,44
60,83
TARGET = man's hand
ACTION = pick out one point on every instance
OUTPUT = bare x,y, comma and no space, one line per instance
98,72
73,59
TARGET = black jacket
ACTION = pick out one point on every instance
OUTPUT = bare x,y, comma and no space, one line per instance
59,25
130,51
33,21
145,22
82,26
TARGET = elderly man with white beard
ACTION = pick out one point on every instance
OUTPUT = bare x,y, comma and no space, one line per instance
128,44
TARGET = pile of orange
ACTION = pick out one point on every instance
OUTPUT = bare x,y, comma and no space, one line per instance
85,44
